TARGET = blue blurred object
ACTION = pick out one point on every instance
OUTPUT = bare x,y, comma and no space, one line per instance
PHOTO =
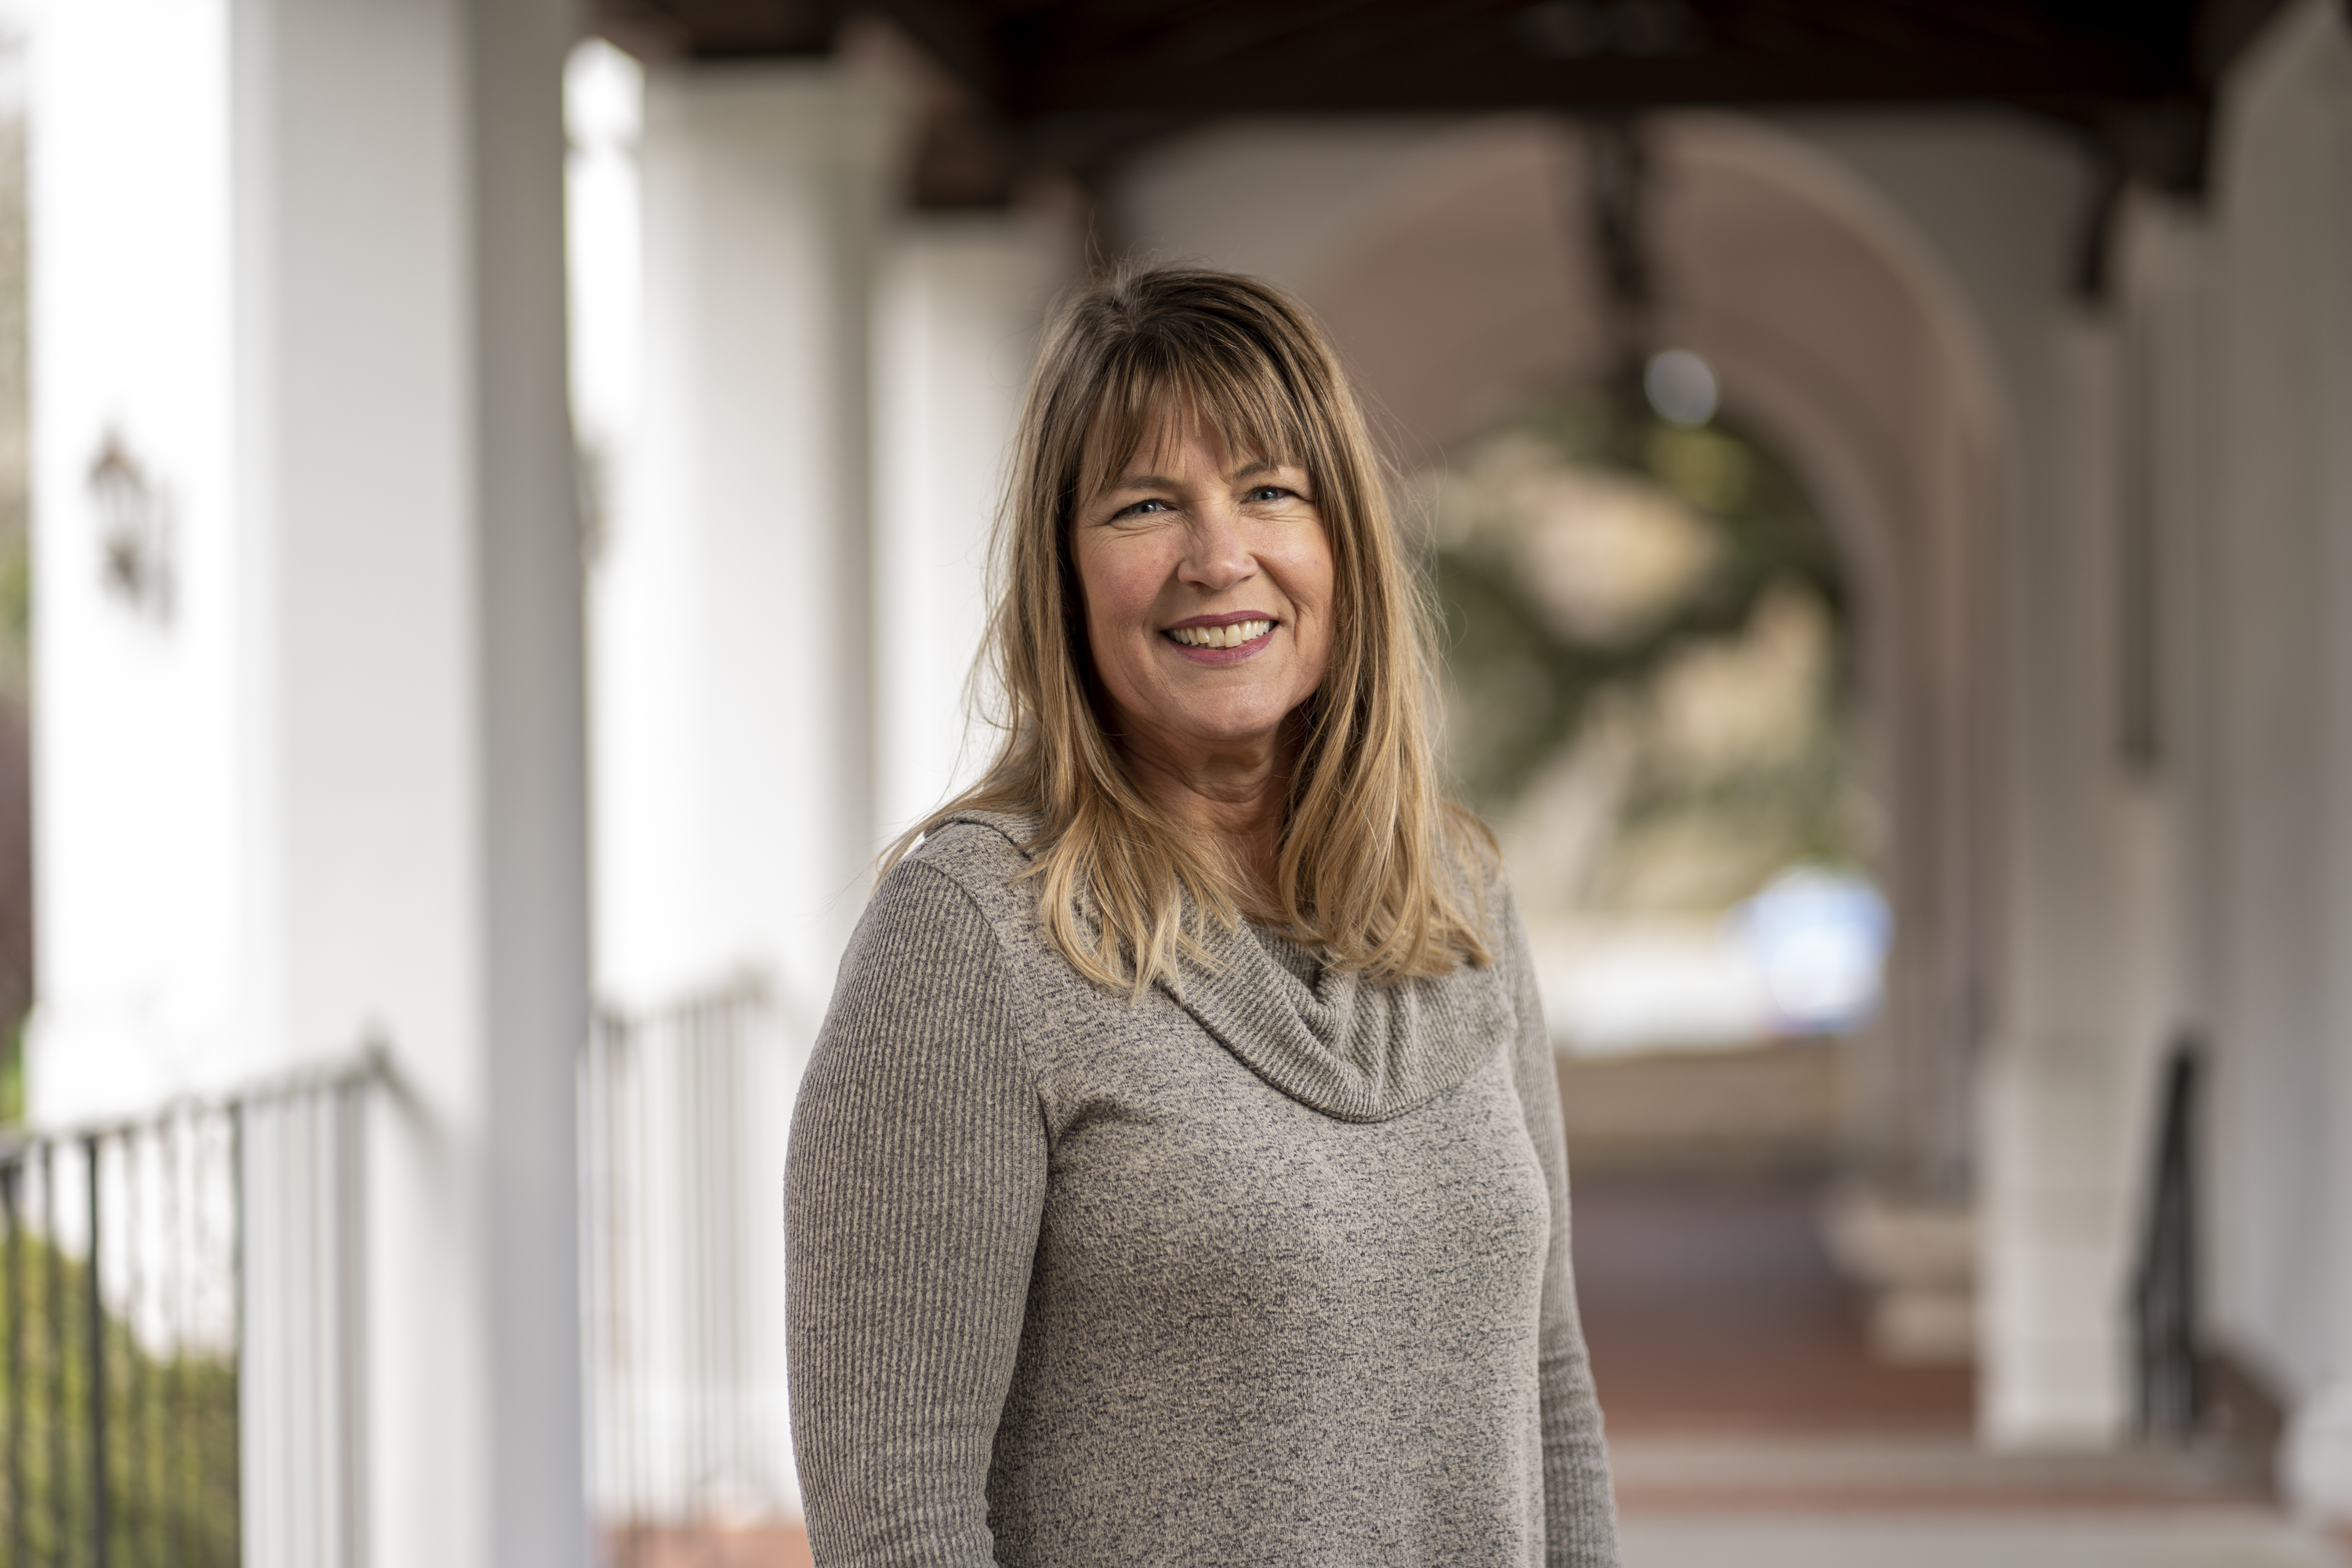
1820,937
1681,387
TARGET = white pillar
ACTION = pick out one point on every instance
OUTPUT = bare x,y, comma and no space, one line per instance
532,777
734,689
960,305
736,810
303,258
147,926
2061,1181
2068,1029
2281,534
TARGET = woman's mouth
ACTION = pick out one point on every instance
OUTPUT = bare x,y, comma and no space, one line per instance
1234,635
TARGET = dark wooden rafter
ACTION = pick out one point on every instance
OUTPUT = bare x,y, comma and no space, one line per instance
1368,54
717,29
1076,85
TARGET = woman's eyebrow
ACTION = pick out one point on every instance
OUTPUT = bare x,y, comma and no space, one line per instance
1162,482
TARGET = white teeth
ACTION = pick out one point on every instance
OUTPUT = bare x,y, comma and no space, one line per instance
1232,636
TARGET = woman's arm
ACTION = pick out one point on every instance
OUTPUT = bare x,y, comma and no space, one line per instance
1581,1510
916,1178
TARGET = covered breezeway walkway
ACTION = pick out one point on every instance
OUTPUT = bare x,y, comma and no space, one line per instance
2046,305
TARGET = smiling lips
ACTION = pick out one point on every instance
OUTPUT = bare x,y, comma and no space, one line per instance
1233,635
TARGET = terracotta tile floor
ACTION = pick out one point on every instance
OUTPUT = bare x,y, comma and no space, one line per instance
1710,1305
764,1546
1750,1428
2211,1539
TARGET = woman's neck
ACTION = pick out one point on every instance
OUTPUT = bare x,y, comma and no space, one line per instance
1236,799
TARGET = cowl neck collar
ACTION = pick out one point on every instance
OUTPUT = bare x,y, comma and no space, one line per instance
1351,1047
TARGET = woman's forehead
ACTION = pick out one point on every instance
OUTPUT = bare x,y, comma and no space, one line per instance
1148,438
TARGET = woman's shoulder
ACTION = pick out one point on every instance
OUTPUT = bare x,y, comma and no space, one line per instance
942,921
974,846
973,858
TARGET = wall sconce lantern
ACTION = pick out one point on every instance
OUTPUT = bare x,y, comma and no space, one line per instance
134,530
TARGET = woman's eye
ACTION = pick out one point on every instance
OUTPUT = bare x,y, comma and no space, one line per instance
1140,509
1269,493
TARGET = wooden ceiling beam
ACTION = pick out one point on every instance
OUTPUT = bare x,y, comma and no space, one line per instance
1077,84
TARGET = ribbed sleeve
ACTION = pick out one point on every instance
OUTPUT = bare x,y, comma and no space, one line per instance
912,1197
1580,1506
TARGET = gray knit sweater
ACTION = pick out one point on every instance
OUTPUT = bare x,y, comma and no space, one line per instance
1276,1273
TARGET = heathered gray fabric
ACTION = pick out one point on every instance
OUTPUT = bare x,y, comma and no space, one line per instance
1275,1274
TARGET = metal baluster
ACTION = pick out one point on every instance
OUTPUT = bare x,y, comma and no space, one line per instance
227,1164
279,1354
695,1147
60,1522
352,1284
718,1279
19,1546
696,1277
727,1261
139,1428
639,1048
308,1288
592,1323
2165,1288
626,1321
677,1048
178,1495
622,1400
320,1269
94,1346
686,1106
716,1275
291,1176
593,1403
625,1236
236,1241
595,1113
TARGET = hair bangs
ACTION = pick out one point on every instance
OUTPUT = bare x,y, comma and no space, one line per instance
1157,395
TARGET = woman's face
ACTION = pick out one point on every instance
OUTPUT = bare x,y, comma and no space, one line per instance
1207,580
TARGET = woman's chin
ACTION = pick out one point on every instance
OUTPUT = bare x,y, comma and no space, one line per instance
1201,735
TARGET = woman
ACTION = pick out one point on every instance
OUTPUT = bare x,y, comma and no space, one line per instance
1179,1175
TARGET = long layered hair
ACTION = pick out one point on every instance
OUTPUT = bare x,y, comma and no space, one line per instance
1375,866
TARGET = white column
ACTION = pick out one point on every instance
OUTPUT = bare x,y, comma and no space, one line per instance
2282,526
532,777
2068,1028
2318,1470
734,687
960,305
2060,1182
146,931
302,258
735,809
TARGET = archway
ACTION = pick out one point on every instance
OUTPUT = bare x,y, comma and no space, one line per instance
1463,288
1452,263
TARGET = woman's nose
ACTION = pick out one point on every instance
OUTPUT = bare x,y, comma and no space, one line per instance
1216,556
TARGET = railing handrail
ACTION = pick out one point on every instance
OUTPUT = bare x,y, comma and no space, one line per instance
371,1063
749,986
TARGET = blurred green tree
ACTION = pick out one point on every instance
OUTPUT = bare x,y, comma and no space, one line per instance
171,1426
1589,558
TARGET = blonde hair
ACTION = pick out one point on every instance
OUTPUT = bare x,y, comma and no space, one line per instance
1369,867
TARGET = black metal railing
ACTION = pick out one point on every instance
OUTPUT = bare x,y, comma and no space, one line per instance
2165,1284
682,1122
161,1278
183,1332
